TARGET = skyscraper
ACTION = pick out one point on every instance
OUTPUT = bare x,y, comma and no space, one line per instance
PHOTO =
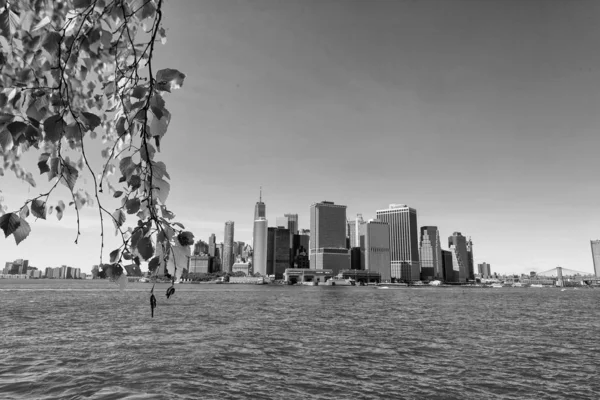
431,253
450,275
278,251
460,257
228,258
259,244
260,209
328,237
259,237
596,256
374,240
484,270
404,241
353,230
212,245
292,223
470,266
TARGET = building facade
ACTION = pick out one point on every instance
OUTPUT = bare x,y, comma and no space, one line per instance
353,231
374,241
470,266
228,258
328,237
430,252
404,241
450,275
484,270
596,256
259,244
460,257
278,251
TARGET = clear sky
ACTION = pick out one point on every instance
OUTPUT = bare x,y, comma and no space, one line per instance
482,115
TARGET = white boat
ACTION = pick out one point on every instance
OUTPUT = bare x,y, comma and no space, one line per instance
339,280
497,285
381,287
311,283
536,285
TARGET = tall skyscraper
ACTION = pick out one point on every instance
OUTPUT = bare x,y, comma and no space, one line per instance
228,258
259,237
450,275
212,245
484,270
260,209
292,223
404,241
328,237
374,240
470,266
278,251
431,254
353,230
596,256
460,257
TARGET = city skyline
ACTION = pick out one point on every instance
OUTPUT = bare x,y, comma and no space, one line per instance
497,137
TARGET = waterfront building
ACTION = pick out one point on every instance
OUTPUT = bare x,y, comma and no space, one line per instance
247,252
484,270
48,272
301,260
7,268
404,241
201,247
374,240
244,267
430,252
56,272
212,245
200,264
353,231
450,275
596,256
470,266
356,261
228,259
260,209
259,244
328,237
460,257
278,251
299,241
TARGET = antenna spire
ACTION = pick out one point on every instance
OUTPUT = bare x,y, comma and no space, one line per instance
260,196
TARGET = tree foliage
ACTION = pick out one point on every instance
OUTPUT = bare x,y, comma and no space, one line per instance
75,71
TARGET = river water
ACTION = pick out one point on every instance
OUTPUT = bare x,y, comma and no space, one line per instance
88,339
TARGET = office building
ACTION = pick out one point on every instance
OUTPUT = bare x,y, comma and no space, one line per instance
430,254
353,230
460,257
470,266
259,246
212,245
200,264
484,270
260,209
450,275
596,256
374,240
228,258
278,251
404,241
328,237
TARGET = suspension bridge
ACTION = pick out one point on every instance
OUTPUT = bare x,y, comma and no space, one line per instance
562,275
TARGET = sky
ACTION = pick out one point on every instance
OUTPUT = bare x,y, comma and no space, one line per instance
481,115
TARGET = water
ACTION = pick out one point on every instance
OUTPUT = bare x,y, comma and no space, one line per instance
86,339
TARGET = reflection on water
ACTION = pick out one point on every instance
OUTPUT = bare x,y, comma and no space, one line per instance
72,339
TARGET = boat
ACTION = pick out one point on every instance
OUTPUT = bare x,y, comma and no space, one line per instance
143,280
311,283
339,280
536,285
497,285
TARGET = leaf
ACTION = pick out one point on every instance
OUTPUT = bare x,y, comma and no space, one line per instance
134,182
54,168
38,209
69,175
163,187
5,24
45,21
118,218
6,140
127,167
148,10
24,212
146,155
22,231
139,91
153,264
120,127
81,3
60,208
9,223
51,42
135,238
133,205
179,225
159,169
145,248
169,79
91,120
114,256
29,179
54,127
118,194
158,126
